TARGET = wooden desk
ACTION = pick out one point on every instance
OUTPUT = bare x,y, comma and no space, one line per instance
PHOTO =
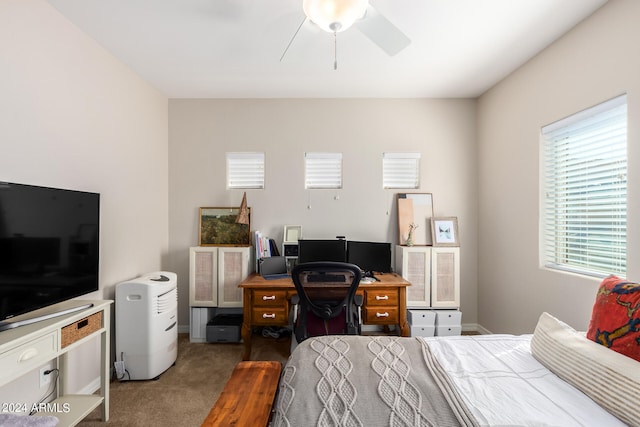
268,302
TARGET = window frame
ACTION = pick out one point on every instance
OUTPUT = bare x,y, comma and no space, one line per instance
239,171
323,170
401,170
584,194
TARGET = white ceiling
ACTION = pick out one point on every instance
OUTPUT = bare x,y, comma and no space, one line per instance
232,48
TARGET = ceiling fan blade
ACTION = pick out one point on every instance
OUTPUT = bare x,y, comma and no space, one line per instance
382,32
293,38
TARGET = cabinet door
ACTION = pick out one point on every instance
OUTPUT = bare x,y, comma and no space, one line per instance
413,263
233,268
203,277
445,277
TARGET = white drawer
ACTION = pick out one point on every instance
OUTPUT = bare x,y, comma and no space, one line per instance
421,317
423,331
25,357
446,331
448,317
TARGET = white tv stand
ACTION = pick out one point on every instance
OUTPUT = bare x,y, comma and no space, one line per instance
25,348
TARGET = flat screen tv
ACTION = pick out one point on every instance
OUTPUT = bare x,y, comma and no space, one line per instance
310,250
370,256
49,241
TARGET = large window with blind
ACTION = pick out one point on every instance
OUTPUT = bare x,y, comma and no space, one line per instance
584,209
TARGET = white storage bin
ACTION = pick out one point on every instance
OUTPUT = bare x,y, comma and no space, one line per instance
448,317
421,317
446,331
423,331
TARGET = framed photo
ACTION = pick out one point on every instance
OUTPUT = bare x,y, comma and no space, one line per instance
292,233
445,231
218,227
416,209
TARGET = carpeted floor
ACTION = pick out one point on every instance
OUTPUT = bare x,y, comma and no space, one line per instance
184,394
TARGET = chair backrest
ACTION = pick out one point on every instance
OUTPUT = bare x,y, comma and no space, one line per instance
326,291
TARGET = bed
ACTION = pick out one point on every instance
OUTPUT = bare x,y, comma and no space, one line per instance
553,377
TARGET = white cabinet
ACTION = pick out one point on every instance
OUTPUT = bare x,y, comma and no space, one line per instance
434,274
215,273
24,348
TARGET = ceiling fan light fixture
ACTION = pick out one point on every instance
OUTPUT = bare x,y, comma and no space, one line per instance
334,16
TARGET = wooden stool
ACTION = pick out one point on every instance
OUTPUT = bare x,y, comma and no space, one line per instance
247,397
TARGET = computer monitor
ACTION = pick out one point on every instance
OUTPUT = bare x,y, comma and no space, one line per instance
310,250
370,256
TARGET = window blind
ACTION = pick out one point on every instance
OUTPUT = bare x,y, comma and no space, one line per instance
323,170
245,170
400,170
585,190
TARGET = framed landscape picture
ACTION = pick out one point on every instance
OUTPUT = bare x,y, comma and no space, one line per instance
218,227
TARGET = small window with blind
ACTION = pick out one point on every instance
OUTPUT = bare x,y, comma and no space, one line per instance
245,170
584,209
323,170
400,170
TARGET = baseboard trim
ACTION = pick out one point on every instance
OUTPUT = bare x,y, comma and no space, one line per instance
92,387
469,327
483,331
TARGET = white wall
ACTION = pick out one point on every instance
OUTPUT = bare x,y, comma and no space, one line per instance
202,131
72,116
596,61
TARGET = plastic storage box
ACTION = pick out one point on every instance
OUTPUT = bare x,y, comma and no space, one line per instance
448,322
422,322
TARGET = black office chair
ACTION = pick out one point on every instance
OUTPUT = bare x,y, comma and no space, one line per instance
326,302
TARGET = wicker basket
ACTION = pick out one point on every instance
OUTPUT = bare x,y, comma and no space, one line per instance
80,329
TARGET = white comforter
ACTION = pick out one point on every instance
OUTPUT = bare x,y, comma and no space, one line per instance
504,385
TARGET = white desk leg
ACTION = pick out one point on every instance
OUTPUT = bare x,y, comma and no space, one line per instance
105,355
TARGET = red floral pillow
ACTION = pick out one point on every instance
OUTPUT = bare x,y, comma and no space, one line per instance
615,320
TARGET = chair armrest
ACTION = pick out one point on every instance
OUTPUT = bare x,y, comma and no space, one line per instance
295,301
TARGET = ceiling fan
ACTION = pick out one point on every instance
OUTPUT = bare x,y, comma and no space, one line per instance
335,16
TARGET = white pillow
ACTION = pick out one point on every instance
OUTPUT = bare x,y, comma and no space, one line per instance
611,379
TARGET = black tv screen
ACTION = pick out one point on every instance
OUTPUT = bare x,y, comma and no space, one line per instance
321,250
49,241
370,256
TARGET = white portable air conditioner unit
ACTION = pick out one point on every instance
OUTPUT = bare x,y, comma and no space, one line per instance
146,326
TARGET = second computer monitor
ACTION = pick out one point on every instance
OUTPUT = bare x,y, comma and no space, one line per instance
310,250
370,256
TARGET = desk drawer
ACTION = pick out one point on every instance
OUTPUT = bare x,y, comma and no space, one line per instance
29,355
269,316
381,297
381,315
270,298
